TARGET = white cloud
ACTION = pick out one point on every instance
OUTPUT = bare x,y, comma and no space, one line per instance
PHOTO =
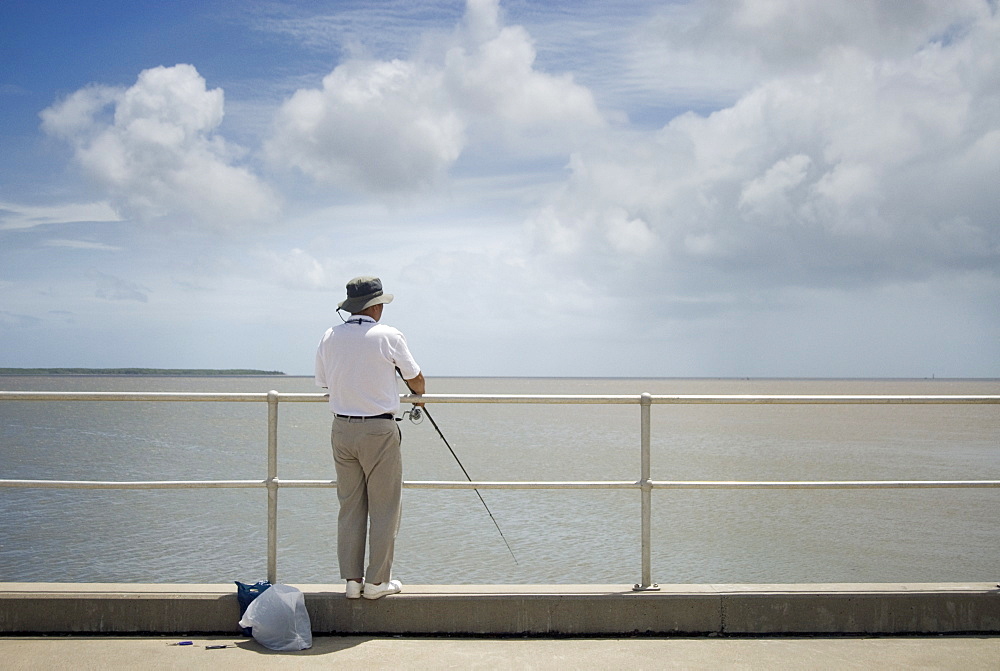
384,126
81,244
492,73
18,216
400,125
295,269
767,197
154,148
714,51
628,235
867,165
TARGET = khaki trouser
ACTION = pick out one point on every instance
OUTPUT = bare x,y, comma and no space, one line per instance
369,487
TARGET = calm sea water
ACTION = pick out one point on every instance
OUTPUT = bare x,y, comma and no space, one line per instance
561,537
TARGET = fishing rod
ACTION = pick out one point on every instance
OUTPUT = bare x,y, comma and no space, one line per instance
434,424
415,417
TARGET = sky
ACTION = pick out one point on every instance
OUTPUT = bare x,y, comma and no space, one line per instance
613,188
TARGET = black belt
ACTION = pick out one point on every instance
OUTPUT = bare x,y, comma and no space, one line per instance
356,418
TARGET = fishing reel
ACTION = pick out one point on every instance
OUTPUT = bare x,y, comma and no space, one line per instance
415,415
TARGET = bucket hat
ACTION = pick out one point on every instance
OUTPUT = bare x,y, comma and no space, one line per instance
363,292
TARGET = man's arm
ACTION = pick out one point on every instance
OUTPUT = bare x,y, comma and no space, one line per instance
418,386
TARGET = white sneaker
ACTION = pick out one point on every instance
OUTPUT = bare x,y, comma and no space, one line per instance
354,589
379,591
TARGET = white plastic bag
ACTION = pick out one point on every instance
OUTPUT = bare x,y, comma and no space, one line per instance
279,619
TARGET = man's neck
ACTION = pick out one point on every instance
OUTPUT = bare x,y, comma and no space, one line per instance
374,313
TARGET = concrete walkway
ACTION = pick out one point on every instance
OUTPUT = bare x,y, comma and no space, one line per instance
939,652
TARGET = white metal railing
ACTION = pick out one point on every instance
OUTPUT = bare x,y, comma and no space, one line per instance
644,484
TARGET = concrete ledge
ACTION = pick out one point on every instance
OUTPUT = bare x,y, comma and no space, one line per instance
509,610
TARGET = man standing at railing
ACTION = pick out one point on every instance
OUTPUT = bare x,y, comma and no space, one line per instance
357,362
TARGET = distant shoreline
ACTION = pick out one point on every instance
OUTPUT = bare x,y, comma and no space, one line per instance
173,372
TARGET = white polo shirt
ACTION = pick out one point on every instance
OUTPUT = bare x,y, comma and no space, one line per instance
357,362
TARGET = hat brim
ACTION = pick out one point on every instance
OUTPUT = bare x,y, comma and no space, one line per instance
354,305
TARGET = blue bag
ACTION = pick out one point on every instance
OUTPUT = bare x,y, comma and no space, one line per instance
245,594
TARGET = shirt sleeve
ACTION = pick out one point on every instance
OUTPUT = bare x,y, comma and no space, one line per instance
320,371
401,357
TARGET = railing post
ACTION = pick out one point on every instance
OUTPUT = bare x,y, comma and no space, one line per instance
646,492
272,486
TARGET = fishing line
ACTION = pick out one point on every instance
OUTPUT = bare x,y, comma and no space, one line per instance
415,417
